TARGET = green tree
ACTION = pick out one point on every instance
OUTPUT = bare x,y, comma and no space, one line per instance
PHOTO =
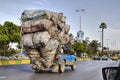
93,47
103,26
9,32
78,48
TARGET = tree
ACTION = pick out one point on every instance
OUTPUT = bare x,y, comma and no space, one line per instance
12,31
9,32
78,48
93,47
103,26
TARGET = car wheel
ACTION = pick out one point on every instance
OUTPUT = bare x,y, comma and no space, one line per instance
55,68
37,71
62,66
73,66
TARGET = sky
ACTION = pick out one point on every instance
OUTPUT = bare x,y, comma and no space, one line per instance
96,12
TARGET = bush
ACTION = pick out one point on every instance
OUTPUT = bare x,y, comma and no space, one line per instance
9,52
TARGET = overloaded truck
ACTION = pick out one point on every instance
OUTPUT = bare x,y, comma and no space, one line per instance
46,39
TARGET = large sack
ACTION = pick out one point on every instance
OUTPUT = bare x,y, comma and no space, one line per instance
63,19
53,31
66,28
26,24
36,25
61,24
25,30
41,24
45,61
35,14
55,18
26,27
41,38
49,57
33,53
51,45
70,36
27,40
64,38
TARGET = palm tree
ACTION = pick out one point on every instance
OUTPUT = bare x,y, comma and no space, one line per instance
93,47
103,26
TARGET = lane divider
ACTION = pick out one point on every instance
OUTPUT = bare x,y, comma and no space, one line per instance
81,59
0,63
10,62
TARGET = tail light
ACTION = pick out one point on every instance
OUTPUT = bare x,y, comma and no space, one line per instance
57,58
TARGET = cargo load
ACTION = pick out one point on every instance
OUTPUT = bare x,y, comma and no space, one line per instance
42,33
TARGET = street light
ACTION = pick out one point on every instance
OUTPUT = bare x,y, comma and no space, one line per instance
80,33
80,16
103,26
100,39
107,43
100,35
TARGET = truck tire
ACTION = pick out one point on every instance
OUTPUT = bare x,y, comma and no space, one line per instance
55,68
37,71
73,66
62,67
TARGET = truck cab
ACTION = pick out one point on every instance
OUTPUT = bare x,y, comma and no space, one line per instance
63,60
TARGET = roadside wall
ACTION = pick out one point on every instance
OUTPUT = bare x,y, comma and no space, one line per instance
10,62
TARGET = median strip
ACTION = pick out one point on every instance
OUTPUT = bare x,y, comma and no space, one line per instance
10,62
81,59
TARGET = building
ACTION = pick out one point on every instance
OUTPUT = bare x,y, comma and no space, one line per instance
80,35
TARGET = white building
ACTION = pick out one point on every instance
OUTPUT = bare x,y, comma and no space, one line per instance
13,45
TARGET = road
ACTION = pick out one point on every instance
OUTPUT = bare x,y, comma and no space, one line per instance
85,70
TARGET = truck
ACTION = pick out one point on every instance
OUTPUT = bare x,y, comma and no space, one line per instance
46,39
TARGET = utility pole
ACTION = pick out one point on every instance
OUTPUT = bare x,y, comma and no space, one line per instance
80,33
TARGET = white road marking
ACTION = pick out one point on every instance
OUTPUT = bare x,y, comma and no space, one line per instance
1,77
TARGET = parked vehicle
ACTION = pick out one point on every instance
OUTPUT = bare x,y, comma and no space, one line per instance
96,58
114,58
104,58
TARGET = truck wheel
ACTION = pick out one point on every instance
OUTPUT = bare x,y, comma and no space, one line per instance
37,71
73,66
62,66
55,68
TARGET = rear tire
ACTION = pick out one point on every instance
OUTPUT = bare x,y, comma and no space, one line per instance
55,68
62,67
73,66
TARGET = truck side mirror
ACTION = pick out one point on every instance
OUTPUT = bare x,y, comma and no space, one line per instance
111,73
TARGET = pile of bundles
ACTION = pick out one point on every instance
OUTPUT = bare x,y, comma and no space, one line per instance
42,32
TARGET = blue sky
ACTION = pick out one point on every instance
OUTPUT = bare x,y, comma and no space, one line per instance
96,11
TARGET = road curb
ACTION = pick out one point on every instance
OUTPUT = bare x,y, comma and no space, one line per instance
10,62
81,59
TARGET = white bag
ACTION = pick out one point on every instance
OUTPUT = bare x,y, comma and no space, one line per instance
51,45
66,28
41,37
27,40
41,24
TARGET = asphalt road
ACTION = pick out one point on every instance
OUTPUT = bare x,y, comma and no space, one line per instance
85,70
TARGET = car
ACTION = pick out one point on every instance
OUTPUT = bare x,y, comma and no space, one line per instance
96,58
104,58
111,73
62,60
114,58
